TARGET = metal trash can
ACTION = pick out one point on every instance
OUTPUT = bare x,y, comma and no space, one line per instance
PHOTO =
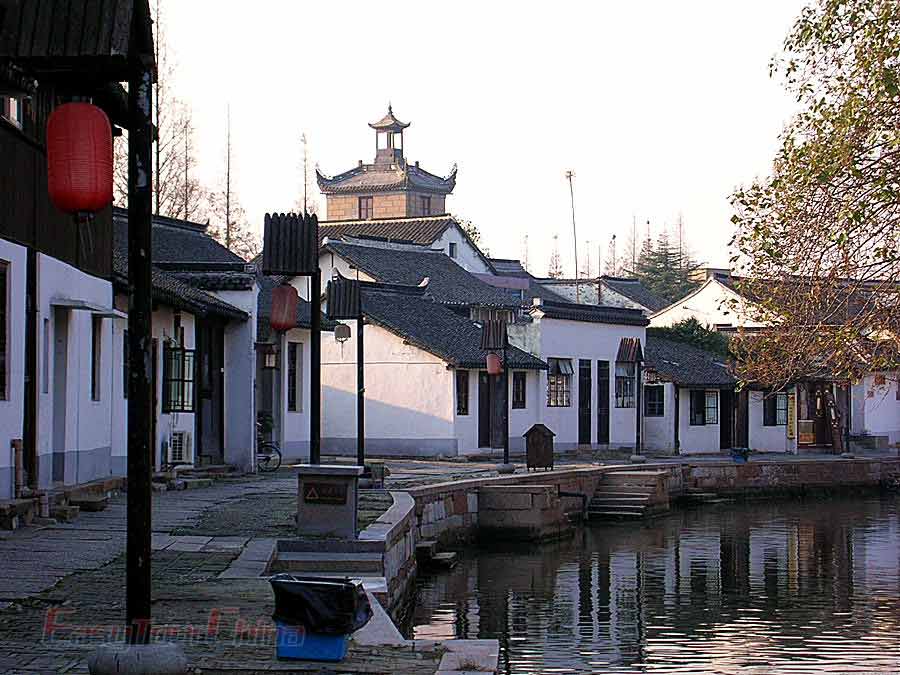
315,615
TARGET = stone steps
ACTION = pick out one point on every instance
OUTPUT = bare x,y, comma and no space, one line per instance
628,495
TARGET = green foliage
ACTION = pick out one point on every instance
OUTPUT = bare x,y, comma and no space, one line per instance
665,270
818,242
692,332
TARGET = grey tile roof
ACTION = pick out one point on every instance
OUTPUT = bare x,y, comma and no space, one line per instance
375,178
169,290
264,309
448,282
685,364
216,281
593,313
433,327
423,231
635,291
513,268
179,241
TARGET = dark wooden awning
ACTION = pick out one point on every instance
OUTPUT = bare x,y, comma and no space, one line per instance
630,350
76,42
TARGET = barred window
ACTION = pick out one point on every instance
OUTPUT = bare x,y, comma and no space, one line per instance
518,400
559,383
295,376
698,408
775,410
625,377
654,400
462,392
178,380
712,407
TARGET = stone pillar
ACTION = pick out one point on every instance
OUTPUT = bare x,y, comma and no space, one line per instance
327,498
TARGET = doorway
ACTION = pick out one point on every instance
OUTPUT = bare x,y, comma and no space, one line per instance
484,409
726,423
603,402
584,402
813,417
210,393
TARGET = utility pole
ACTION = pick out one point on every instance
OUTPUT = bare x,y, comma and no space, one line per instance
633,244
570,175
305,170
156,103
228,180
186,133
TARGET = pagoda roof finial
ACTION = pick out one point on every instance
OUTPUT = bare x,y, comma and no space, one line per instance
389,122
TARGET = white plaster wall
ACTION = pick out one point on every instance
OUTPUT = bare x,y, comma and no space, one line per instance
12,409
293,434
119,430
696,439
466,426
880,407
708,305
409,397
763,438
86,454
659,432
240,380
467,257
582,340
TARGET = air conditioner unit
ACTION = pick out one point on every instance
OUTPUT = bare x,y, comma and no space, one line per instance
181,448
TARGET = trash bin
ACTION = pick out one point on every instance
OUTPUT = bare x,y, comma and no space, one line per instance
315,615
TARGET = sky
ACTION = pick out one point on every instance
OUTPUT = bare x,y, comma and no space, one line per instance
660,108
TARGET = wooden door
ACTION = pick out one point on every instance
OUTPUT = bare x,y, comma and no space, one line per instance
584,402
726,418
210,398
484,410
603,402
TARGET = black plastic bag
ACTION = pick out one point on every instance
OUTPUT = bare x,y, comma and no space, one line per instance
320,604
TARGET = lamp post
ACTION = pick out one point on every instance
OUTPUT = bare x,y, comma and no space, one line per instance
494,339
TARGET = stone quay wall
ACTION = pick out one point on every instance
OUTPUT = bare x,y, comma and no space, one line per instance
395,535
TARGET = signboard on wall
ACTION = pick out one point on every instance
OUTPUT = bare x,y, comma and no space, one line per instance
791,415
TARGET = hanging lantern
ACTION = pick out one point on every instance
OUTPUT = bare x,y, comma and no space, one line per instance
284,308
79,158
494,364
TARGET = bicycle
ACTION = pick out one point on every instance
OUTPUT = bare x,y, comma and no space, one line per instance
268,454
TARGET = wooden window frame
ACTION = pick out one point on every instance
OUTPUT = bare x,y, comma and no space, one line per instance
654,407
775,409
462,392
452,250
697,411
179,391
519,390
369,203
425,204
625,384
711,417
559,383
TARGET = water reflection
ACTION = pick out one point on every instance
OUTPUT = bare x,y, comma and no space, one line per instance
755,588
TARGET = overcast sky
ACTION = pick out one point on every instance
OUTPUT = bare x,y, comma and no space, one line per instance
659,107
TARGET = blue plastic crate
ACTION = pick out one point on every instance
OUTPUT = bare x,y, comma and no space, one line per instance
295,642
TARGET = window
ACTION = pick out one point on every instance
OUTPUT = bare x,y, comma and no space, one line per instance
559,383
178,380
4,328
452,249
382,140
126,364
397,140
518,401
365,208
625,384
654,400
96,339
704,407
462,392
426,206
11,109
295,376
712,407
775,410
698,408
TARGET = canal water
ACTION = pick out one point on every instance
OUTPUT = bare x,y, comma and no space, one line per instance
772,587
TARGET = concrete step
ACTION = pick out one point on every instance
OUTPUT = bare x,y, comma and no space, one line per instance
619,501
604,491
64,514
193,483
614,515
331,563
632,478
617,508
90,502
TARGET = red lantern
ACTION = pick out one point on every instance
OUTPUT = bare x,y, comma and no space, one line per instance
79,158
284,308
494,364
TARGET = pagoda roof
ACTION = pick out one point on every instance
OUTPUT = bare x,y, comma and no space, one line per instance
389,122
378,178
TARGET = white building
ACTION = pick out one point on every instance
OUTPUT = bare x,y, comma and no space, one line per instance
203,357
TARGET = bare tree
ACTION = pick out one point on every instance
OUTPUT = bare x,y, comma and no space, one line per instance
228,222
176,192
554,269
